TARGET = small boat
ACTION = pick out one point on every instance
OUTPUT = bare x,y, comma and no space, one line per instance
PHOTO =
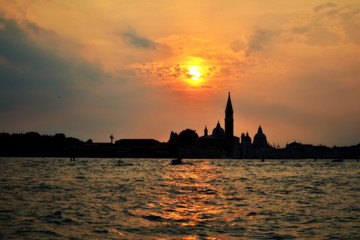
176,161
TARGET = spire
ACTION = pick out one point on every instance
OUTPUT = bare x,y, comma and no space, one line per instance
260,129
229,108
229,121
205,131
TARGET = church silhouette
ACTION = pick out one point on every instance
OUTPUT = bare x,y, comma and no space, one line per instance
223,142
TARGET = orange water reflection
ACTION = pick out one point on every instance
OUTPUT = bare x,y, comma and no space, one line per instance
196,200
192,195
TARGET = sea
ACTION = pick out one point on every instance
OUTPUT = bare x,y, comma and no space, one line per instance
99,198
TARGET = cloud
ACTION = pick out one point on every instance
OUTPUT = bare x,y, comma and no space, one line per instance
238,45
35,29
19,49
133,39
352,31
34,78
329,25
322,36
174,77
324,6
259,40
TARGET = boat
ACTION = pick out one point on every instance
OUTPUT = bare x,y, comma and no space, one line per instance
176,161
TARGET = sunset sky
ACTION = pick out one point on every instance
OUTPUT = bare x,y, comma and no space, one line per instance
144,68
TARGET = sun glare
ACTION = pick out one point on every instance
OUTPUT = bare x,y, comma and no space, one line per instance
194,71
195,75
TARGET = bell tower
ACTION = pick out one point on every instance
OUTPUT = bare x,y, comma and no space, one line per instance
229,121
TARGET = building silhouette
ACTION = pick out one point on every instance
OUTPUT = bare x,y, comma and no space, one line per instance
230,144
260,139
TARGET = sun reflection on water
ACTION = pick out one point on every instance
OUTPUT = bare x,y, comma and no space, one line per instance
197,196
192,195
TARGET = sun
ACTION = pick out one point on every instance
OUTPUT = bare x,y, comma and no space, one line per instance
195,73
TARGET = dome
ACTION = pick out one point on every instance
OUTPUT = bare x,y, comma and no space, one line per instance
218,132
260,138
245,138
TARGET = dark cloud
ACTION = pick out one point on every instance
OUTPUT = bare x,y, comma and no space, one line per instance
237,45
259,40
132,38
207,86
34,28
301,29
19,49
35,78
324,6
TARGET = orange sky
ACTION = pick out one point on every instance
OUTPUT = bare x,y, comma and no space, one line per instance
140,69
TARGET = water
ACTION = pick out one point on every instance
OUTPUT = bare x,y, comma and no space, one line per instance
51,198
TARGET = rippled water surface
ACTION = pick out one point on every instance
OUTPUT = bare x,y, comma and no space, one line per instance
51,198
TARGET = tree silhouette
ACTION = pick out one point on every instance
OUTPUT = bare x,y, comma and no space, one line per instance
187,137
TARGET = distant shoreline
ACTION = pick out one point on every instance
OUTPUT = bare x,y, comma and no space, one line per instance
169,158
35,145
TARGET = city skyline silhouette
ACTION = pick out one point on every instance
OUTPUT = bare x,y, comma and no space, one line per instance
218,143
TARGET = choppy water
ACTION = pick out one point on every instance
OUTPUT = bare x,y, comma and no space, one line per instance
203,199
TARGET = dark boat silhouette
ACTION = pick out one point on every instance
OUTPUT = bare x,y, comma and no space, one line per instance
176,161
